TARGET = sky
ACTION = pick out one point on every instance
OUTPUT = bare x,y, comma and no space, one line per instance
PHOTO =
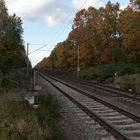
48,22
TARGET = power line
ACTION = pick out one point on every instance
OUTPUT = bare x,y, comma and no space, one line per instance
45,50
72,11
38,49
35,44
58,36
69,15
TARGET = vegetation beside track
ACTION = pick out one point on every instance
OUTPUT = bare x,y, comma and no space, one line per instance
13,59
107,41
20,121
127,75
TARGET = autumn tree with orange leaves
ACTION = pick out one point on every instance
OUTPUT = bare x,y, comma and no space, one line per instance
105,36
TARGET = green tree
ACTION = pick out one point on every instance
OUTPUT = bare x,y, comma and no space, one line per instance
12,52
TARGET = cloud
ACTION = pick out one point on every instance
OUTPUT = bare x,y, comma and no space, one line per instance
50,12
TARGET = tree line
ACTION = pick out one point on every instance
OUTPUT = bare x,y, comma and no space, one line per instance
12,52
107,35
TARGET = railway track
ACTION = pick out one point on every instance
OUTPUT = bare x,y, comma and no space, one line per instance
120,123
129,101
110,90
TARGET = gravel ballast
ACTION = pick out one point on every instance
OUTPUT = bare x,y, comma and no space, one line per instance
76,125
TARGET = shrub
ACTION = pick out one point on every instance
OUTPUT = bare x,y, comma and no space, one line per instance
126,68
19,121
87,73
103,72
15,78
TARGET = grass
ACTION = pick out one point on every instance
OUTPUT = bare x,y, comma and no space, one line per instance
20,121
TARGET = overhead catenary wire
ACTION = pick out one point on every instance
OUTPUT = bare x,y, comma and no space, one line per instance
38,49
59,32
65,27
46,50
67,17
59,35
71,13
36,44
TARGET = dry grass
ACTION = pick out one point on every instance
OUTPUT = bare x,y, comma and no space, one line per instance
129,82
19,121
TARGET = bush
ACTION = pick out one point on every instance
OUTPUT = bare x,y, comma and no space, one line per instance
87,73
19,121
49,117
103,72
126,68
15,78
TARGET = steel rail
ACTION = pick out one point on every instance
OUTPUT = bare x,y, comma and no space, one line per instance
92,115
113,90
86,93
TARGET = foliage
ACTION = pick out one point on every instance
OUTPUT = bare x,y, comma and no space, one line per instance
126,68
18,120
49,117
87,73
107,37
15,78
103,72
12,52
117,54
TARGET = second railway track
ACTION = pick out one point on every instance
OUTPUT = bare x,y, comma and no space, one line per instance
114,91
120,123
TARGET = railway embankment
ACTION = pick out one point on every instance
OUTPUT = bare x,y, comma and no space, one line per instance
28,115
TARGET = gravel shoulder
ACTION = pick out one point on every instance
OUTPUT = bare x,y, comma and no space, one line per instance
74,123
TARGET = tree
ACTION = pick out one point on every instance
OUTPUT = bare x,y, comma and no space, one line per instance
130,27
12,53
106,35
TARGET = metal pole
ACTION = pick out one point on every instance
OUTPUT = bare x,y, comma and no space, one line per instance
34,78
27,59
78,62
